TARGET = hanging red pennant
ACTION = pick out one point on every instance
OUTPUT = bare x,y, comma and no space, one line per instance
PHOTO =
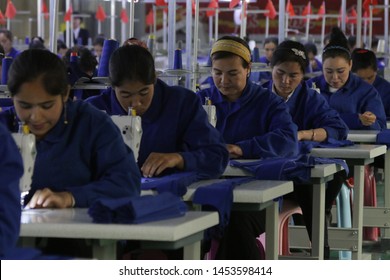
100,13
10,10
45,10
367,3
2,18
193,7
68,14
150,18
234,3
290,9
321,10
161,3
212,6
123,16
353,16
271,8
307,10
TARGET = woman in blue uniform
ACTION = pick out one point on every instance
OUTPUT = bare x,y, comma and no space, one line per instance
81,156
11,170
254,123
358,102
176,134
364,64
270,45
310,111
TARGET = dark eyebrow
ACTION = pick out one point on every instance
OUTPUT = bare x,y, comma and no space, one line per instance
40,104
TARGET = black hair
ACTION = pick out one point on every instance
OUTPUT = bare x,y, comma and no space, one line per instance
311,48
7,33
99,40
61,45
33,64
363,59
290,51
2,54
351,42
337,47
87,61
132,63
224,54
37,43
274,40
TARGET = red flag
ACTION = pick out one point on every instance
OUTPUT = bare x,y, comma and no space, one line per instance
307,10
45,10
68,14
367,3
271,8
193,7
213,5
321,10
100,13
2,18
234,3
10,10
353,16
150,18
290,9
123,16
161,3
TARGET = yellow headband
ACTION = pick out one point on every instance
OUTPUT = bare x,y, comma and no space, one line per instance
232,47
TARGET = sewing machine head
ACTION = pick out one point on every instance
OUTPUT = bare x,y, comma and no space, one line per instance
131,129
27,148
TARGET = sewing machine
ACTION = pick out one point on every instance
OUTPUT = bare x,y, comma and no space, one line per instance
211,113
131,129
26,144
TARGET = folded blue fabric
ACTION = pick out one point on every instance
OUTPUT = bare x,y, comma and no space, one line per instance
295,169
175,183
383,137
306,146
135,210
218,196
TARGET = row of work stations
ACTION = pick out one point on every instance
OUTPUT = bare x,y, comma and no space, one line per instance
236,170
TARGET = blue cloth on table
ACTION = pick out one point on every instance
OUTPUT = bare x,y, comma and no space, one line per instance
175,183
138,209
218,196
31,254
306,146
295,169
383,137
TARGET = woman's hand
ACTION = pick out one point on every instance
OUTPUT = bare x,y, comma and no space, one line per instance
367,118
158,162
234,151
46,198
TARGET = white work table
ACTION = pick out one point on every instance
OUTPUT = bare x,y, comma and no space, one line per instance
357,156
319,175
376,216
255,196
186,231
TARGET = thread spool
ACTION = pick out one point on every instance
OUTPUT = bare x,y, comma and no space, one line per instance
7,61
109,46
256,54
177,63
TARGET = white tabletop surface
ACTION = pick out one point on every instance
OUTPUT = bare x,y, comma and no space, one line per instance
76,223
358,151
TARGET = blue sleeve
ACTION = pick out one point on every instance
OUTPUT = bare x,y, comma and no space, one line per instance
370,101
115,171
280,139
11,170
206,151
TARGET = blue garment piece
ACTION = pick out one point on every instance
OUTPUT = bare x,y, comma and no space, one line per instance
354,98
218,196
383,137
13,53
175,122
310,110
11,170
383,88
86,157
136,210
31,254
264,76
175,183
295,169
258,122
